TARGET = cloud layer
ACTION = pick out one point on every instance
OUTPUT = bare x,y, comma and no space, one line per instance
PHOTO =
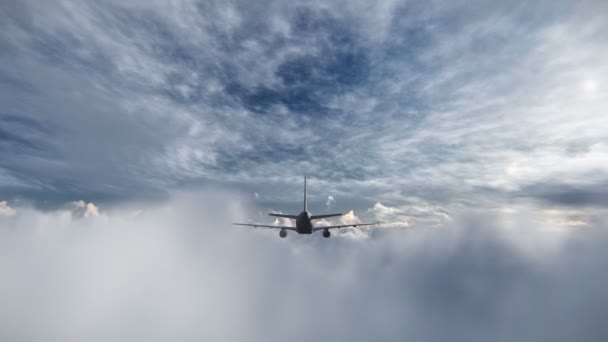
446,103
179,271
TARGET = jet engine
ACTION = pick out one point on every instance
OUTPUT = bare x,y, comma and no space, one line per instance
326,233
283,233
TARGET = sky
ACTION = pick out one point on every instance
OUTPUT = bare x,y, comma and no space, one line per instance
476,131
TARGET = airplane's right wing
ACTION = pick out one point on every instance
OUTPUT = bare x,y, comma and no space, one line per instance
317,217
255,225
314,229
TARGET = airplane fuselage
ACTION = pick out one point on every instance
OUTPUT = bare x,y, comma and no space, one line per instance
303,223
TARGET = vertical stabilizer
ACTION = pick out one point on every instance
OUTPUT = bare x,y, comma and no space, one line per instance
305,199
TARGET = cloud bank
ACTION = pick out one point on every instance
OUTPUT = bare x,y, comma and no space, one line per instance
179,271
446,103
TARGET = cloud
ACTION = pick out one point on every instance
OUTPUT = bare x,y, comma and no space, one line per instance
159,274
481,128
349,218
417,210
330,201
380,102
83,209
6,210
568,195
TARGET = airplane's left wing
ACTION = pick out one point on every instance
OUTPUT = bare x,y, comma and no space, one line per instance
314,229
255,225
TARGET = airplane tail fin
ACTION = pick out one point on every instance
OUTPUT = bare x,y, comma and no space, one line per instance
305,199
316,217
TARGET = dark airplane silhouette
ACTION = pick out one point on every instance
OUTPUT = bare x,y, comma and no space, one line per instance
304,222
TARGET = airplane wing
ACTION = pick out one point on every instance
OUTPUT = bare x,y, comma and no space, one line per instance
316,217
255,225
314,229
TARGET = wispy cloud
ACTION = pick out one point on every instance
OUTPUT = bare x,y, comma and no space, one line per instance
330,201
380,102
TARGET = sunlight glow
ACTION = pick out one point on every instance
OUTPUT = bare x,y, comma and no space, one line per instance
589,85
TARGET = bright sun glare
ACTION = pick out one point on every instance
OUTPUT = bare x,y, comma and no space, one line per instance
589,85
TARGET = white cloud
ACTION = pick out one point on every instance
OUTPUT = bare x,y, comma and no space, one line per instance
330,201
83,209
417,210
283,221
349,218
549,164
6,210
160,273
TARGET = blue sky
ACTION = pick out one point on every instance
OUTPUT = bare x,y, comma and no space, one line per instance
132,133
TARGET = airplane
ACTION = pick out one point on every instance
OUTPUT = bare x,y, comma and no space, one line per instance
304,222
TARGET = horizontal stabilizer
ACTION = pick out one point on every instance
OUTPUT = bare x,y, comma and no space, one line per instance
316,217
284,215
